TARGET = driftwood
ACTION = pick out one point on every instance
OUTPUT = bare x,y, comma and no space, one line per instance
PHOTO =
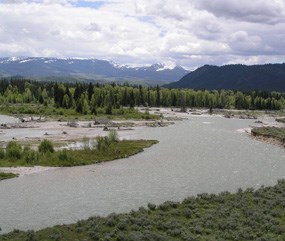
101,121
72,124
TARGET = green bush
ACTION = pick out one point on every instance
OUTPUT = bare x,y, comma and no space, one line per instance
108,109
113,136
103,143
2,154
5,175
151,206
63,155
46,146
14,150
85,142
30,156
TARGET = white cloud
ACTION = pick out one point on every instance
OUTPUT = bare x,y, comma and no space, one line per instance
146,31
252,11
241,41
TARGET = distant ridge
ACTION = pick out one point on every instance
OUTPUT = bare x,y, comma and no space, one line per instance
268,77
88,69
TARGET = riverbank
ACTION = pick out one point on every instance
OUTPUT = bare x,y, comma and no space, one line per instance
7,175
268,129
75,135
273,135
65,132
110,150
270,140
22,171
246,214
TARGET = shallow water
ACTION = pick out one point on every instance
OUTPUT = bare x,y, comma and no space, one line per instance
5,119
202,154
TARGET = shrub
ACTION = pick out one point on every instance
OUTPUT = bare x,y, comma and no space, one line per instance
174,232
102,143
113,136
108,109
26,149
122,225
94,235
187,213
2,154
63,155
30,156
151,206
14,150
111,221
56,235
46,146
280,229
85,142
167,205
31,235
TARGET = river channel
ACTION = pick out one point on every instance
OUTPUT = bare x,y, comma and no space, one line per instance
202,154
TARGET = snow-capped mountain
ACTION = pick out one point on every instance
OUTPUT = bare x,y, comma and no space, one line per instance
87,68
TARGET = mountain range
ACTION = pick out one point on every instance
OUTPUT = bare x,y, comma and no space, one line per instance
88,69
268,77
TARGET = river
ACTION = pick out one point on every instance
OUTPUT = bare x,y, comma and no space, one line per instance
202,154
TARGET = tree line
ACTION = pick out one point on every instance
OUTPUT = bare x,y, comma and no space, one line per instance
86,98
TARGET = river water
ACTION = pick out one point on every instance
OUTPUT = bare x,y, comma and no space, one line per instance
5,119
202,154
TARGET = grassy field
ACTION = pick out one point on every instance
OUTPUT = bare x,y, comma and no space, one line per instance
4,175
17,156
270,132
245,215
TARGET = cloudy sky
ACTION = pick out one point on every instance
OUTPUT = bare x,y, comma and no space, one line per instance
190,33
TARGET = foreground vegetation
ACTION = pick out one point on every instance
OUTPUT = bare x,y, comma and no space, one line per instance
246,215
270,132
4,175
107,149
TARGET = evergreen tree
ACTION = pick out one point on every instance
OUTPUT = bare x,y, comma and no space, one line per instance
90,91
157,102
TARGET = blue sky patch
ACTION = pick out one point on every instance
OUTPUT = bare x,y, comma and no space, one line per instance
162,34
147,19
87,4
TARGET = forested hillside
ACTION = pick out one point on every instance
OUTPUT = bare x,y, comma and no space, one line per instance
91,99
269,77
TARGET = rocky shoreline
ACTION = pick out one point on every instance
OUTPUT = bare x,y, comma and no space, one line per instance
269,140
21,171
